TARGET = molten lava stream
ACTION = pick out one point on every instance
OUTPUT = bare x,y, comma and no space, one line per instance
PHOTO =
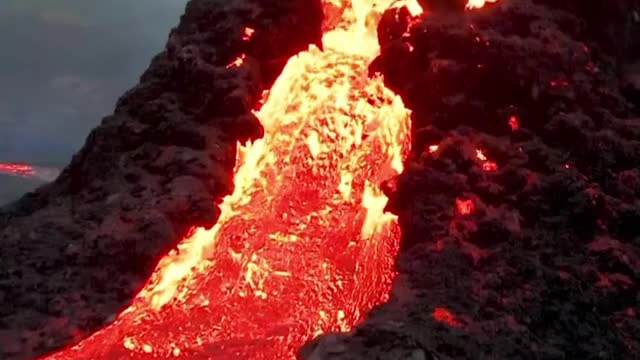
302,246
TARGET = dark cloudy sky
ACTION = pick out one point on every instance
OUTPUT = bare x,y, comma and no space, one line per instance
63,64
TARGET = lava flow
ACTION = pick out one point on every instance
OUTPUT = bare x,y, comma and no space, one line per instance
303,245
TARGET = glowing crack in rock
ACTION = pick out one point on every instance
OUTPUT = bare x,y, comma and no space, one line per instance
302,246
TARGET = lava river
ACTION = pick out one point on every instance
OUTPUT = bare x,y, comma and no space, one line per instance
302,246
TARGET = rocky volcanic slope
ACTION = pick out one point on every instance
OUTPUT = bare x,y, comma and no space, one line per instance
75,252
547,264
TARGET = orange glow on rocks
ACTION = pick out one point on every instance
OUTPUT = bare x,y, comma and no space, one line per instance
433,148
445,316
465,206
489,166
303,245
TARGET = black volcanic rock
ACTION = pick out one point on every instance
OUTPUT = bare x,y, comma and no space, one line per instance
75,252
545,265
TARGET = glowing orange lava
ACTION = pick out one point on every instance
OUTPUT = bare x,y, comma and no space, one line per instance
237,62
513,122
302,246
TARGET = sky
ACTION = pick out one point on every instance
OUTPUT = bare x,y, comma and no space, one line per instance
63,64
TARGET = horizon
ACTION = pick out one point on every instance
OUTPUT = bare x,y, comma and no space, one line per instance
67,64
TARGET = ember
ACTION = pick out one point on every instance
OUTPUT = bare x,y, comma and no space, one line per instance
16,169
237,62
465,206
488,166
303,245
247,34
445,316
513,122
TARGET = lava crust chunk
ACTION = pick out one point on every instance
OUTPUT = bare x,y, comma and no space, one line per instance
520,203
76,251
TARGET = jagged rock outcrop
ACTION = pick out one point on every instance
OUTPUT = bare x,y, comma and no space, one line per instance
533,253
75,252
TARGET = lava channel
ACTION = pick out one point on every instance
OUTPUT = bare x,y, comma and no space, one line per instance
303,245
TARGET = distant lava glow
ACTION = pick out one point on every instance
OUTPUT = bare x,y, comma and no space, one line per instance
23,170
41,173
302,246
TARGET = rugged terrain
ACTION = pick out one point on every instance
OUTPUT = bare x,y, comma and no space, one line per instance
75,252
530,249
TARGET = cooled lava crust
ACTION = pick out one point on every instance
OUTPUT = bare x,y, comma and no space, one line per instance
74,253
536,256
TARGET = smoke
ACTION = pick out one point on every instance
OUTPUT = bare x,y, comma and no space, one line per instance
64,64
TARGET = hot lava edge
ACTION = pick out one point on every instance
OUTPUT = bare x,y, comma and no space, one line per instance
76,251
520,203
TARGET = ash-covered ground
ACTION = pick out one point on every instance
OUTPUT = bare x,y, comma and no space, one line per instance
74,253
539,256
